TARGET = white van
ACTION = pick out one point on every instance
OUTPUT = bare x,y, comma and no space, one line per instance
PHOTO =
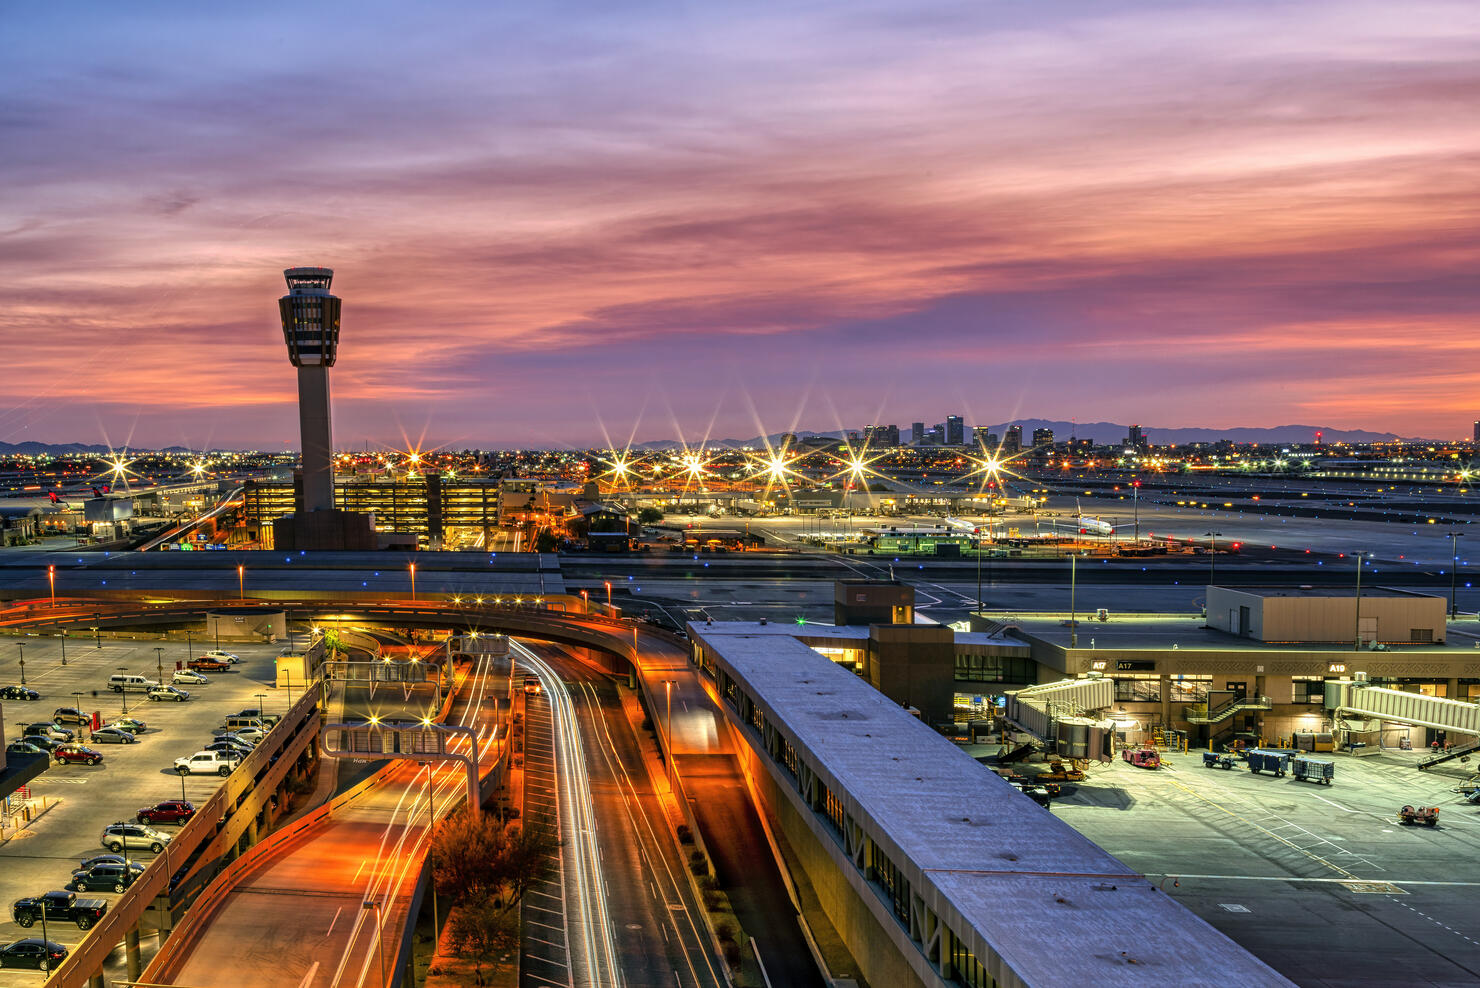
132,684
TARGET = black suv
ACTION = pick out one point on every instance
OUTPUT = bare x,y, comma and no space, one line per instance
107,877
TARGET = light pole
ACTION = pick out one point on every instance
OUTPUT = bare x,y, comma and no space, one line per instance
413,581
189,646
22,647
62,634
1136,507
586,601
608,598
97,628
159,661
379,940
51,576
241,582
261,707
1454,538
668,688
1212,552
77,696
1073,587
1357,637
432,861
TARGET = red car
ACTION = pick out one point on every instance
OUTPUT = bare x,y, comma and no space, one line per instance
169,811
208,665
77,753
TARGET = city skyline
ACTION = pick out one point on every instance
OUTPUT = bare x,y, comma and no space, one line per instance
553,227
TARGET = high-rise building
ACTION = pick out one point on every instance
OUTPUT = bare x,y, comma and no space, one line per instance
984,438
311,329
881,436
1476,440
1042,438
1136,439
955,431
917,433
1012,442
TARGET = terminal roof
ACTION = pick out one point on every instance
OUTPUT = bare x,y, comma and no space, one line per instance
1006,866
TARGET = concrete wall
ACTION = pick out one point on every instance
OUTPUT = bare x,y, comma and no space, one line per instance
1308,618
914,665
881,953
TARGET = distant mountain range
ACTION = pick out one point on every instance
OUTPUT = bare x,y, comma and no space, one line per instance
1104,433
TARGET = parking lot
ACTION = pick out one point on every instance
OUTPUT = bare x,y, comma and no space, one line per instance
132,776
1321,882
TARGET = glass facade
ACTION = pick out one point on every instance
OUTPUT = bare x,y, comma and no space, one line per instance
994,669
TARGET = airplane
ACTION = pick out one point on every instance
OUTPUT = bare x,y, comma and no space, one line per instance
1092,525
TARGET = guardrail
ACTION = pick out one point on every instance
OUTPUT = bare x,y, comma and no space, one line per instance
217,825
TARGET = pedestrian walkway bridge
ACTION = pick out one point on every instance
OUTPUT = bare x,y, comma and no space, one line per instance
1351,701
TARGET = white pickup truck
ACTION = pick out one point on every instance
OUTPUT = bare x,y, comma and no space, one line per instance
206,762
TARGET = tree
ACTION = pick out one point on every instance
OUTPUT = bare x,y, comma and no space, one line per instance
481,860
649,516
546,542
486,932
528,856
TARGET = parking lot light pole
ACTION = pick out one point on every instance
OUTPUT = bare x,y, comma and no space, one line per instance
1454,538
97,630
22,647
189,646
63,636
159,661
379,939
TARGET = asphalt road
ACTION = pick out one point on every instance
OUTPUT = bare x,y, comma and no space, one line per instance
1320,882
42,857
659,926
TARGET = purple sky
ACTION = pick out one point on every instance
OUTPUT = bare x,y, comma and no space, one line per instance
554,222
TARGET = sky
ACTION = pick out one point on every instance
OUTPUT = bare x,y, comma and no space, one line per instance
572,223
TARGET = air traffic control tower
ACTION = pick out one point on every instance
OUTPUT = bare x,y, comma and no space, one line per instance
311,329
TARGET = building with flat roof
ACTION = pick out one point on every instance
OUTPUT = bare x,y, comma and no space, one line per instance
932,869
1338,614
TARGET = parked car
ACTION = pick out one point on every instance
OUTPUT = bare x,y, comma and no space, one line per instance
33,952
169,811
131,724
255,713
71,753
120,836
98,859
18,693
168,693
251,735
209,665
50,730
207,762
70,715
58,906
46,744
104,878
112,735
221,655
233,746
189,676
25,746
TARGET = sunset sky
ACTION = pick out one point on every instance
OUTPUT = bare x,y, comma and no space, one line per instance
553,219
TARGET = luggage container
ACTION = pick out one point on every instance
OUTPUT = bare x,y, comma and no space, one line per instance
1265,760
1313,770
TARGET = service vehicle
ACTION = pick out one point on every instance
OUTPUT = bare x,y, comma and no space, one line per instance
104,878
59,906
189,677
112,735
1426,815
1141,757
121,836
70,715
18,693
34,953
72,753
168,811
206,763
169,693
1214,759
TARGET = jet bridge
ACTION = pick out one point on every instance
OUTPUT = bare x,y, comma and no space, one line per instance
1062,714
1356,700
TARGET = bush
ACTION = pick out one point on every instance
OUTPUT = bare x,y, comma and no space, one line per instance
685,835
698,867
732,953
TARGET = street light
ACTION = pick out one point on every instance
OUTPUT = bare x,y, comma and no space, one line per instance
1136,507
62,634
189,646
97,628
1212,552
241,582
22,647
159,661
51,576
608,597
379,940
1454,538
413,581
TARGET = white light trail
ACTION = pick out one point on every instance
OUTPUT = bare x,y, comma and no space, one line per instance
593,935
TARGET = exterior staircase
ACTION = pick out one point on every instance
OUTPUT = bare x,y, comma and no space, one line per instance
1202,715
